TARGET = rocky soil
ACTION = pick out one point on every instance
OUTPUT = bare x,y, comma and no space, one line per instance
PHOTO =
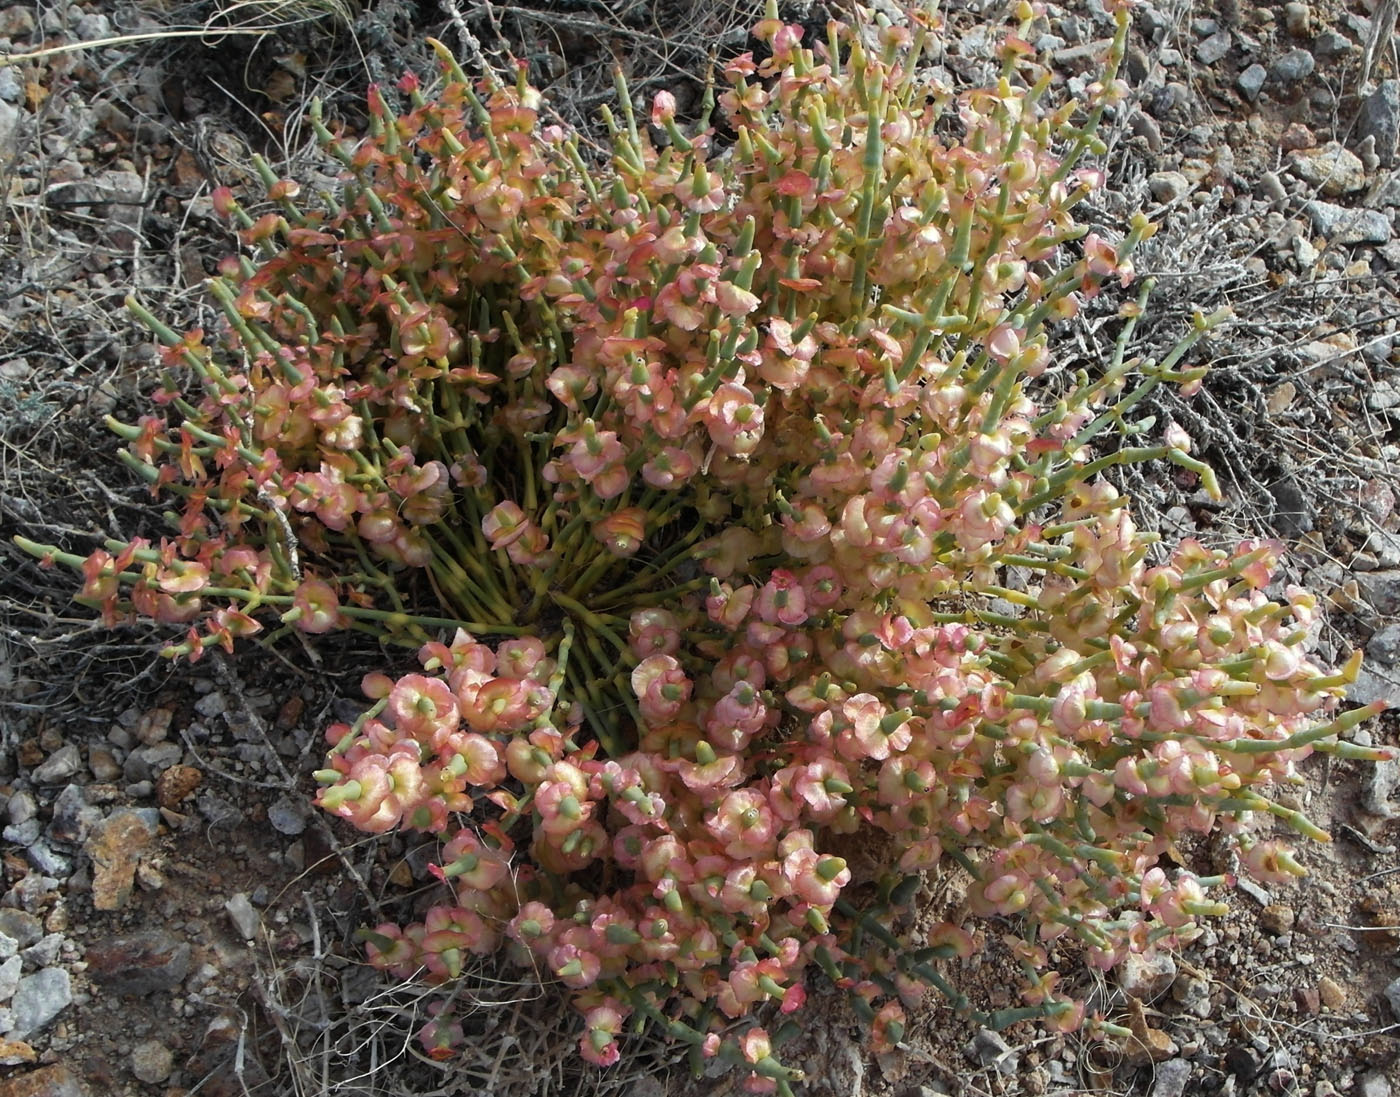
175,918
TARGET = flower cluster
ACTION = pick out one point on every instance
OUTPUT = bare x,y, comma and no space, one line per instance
758,541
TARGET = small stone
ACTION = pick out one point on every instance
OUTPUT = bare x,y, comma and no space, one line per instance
218,811
58,766
1331,993
22,807
1277,918
1297,17
1378,500
1213,48
154,725
139,963
73,817
244,918
1366,152
1244,1063
1146,977
1392,996
145,763
1384,645
1297,136
1251,81
17,21
12,1054
1379,118
1383,395
988,1049
1143,126
1168,186
115,847
1194,996
175,784
151,1061
92,27
1146,1044
1332,169
1307,1000
50,1081
23,927
44,952
38,999
10,972
1373,1084
103,764
1339,225
1171,1078
1293,66
23,834
287,815
211,705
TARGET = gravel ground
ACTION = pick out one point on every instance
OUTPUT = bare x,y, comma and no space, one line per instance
174,916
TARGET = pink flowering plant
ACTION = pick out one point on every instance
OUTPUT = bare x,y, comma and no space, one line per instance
739,517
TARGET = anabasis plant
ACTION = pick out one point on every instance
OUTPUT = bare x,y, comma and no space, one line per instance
740,517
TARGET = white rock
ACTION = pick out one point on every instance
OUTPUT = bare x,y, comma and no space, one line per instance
1332,169
38,999
1146,977
10,972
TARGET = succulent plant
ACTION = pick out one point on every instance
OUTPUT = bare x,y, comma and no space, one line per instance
738,511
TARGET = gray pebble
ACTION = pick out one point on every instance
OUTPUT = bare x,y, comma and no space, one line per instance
1153,24
1168,186
1373,1084
43,953
21,925
46,860
1143,126
1171,1078
147,762
287,816
1380,119
211,704
8,946
1251,81
10,972
92,27
1392,995
989,1050
72,816
1380,588
1271,186
1330,44
151,1061
1384,646
219,812
244,918
22,806
1348,226
1293,66
58,766
1214,48
23,834
38,999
